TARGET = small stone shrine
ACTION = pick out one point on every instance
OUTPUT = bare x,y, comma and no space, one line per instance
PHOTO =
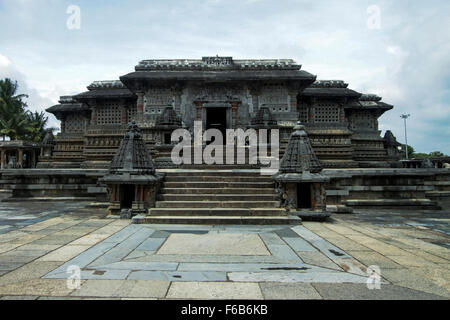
300,184
165,124
132,181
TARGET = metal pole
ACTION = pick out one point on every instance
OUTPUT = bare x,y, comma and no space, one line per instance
405,116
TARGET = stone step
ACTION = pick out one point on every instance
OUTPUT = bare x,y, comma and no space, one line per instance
217,204
200,191
208,178
218,184
437,183
438,194
213,172
220,220
218,166
392,203
217,197
183,211
389,188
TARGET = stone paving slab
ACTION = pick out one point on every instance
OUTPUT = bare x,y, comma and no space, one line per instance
350,291
233,267
214,290
219,244
330,276
179,275
289,291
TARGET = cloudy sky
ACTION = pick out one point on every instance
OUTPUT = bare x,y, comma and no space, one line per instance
399,50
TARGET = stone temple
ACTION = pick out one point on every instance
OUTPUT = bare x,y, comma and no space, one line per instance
115,144
223,93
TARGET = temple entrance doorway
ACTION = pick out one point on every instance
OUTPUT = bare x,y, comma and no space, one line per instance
216,118
304,196
127,195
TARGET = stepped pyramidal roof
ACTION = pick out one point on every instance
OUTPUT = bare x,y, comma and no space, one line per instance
299,156
132,156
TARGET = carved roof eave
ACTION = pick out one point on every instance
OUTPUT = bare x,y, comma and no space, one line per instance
104,94
61,109
330,92
301,177
376,106
135,80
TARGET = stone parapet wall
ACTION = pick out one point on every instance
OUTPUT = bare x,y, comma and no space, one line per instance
53,184
389,188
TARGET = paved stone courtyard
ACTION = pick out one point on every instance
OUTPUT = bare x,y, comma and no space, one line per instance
119,260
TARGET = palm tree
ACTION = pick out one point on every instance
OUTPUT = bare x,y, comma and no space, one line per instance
35,126
12,110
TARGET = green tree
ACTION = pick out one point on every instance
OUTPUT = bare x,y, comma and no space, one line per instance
16,122
36,126
410,152
12,110
436,154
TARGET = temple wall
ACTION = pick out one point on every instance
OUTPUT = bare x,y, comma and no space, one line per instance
358,188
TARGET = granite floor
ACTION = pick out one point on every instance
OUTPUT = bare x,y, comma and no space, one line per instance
119,260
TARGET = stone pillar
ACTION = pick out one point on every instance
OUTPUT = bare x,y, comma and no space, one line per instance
63,125
177,99
94,115
20,158
198,108
123,114
33,158
2,160
292,101
234,113
140,102
255,91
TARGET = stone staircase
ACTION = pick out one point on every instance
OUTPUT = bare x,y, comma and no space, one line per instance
217,196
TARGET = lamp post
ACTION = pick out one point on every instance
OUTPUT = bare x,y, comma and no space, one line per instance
404,117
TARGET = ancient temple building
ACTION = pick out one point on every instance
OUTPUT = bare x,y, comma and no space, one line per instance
222,93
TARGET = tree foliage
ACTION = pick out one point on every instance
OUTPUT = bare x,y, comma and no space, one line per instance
412,154
16,122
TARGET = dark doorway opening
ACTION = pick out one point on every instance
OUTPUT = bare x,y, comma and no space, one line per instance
167,138
127,196
303,195
216,118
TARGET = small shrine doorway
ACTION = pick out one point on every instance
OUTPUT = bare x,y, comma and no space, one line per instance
127,196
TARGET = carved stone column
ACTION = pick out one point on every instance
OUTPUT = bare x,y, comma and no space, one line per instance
177,98
234,112
123,113
255,91
20,158
93,113
63,125
292,100
2,160
140,102
198,109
